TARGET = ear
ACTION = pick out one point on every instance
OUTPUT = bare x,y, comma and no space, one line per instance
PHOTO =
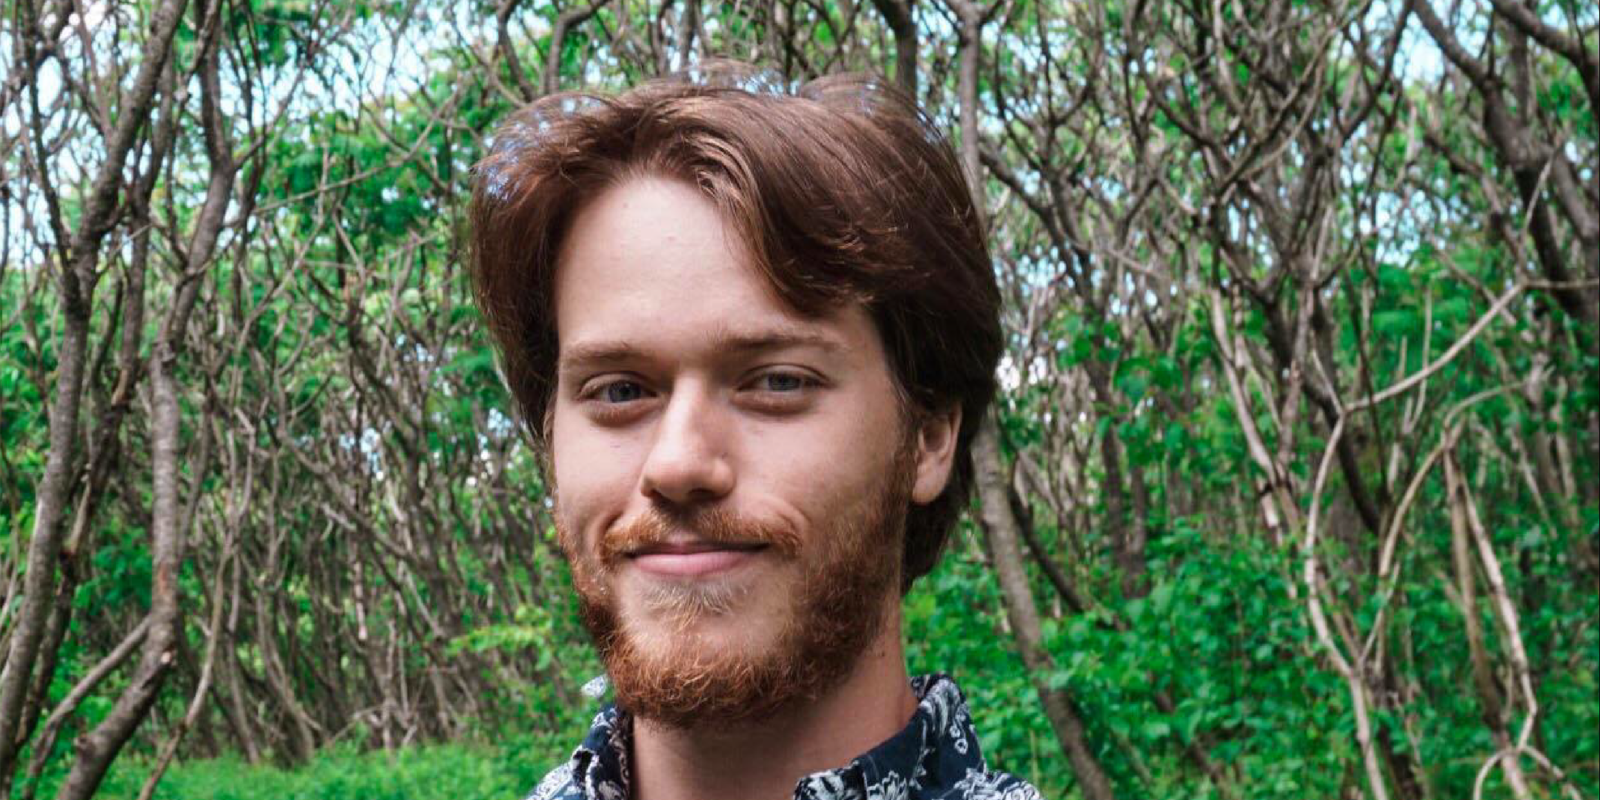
935,453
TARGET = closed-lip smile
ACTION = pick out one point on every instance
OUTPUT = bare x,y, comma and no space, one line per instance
693,558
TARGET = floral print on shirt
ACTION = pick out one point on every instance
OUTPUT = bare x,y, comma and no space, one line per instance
935,757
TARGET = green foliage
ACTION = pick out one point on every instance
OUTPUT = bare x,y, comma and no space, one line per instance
953,624
392,527
424,772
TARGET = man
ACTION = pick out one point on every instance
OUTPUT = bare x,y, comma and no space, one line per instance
752,334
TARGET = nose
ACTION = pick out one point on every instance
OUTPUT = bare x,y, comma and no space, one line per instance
688,463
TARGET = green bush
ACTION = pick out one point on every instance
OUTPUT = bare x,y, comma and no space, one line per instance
427,772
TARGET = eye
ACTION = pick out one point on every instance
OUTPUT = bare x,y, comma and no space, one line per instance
780,391
783,382
621,392
616,400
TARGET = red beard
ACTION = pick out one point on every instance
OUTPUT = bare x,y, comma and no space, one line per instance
847,572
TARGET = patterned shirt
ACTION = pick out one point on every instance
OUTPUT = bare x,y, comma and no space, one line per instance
935,757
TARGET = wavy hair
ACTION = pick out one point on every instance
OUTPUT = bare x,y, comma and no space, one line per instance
841,191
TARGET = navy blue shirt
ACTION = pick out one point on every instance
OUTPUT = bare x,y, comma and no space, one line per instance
934,757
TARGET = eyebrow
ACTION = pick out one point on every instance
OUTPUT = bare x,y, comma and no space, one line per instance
731,341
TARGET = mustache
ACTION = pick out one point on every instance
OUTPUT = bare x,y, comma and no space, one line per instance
716,526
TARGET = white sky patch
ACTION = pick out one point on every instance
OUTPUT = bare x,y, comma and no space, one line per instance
1007,374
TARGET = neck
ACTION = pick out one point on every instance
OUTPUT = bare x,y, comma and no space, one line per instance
763,760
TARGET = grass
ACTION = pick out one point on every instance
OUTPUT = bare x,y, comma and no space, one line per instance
426,772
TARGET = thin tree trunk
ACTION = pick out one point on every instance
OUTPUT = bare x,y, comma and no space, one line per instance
897,14
1000,528
78,269
169,522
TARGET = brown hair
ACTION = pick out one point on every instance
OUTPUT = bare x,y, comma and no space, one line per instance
841,192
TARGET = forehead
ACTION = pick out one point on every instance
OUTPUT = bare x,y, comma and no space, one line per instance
653,262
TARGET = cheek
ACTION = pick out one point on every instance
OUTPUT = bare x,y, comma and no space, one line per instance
594,476
831,461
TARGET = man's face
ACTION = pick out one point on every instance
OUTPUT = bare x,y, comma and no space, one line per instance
732,477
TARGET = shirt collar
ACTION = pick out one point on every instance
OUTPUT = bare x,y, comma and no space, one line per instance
937,747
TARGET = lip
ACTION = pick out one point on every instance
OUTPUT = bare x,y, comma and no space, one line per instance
693,559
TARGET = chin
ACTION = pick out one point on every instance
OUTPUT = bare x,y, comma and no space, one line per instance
722,617
692,643
704,641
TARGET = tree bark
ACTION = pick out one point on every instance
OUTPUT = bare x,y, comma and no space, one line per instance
77,275
897,14
169,522
1001,529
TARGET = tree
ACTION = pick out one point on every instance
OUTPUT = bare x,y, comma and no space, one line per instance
1291,488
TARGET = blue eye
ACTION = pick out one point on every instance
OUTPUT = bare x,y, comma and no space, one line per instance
782,382
622,392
